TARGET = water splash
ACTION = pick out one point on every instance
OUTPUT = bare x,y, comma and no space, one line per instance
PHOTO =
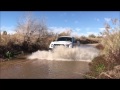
82,53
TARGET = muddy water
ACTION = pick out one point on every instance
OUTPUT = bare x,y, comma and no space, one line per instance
39,68
42,69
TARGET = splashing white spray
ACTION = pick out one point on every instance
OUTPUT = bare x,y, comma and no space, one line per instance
67,54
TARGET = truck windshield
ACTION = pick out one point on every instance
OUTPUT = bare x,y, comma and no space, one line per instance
64,39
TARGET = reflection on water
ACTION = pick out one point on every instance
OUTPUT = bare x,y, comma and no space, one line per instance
42,69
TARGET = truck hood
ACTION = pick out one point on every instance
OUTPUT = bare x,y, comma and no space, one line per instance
61,42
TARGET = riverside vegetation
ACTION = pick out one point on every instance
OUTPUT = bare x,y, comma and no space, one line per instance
107,64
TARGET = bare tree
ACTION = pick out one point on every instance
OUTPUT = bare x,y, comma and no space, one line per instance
29,26
66,33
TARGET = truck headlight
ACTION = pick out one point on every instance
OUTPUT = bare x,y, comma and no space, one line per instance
70,45
52,45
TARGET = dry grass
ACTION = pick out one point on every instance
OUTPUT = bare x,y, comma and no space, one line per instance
112,74
104,66
111,43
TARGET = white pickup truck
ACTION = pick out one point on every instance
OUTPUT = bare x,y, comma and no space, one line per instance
67,41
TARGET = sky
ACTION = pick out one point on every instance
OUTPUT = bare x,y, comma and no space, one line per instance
80,22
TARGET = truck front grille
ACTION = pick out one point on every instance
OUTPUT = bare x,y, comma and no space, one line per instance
58,44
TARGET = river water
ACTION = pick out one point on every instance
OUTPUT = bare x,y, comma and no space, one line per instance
38,65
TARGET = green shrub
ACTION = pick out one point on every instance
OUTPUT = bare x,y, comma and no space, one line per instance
100,68
8,55
98,65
